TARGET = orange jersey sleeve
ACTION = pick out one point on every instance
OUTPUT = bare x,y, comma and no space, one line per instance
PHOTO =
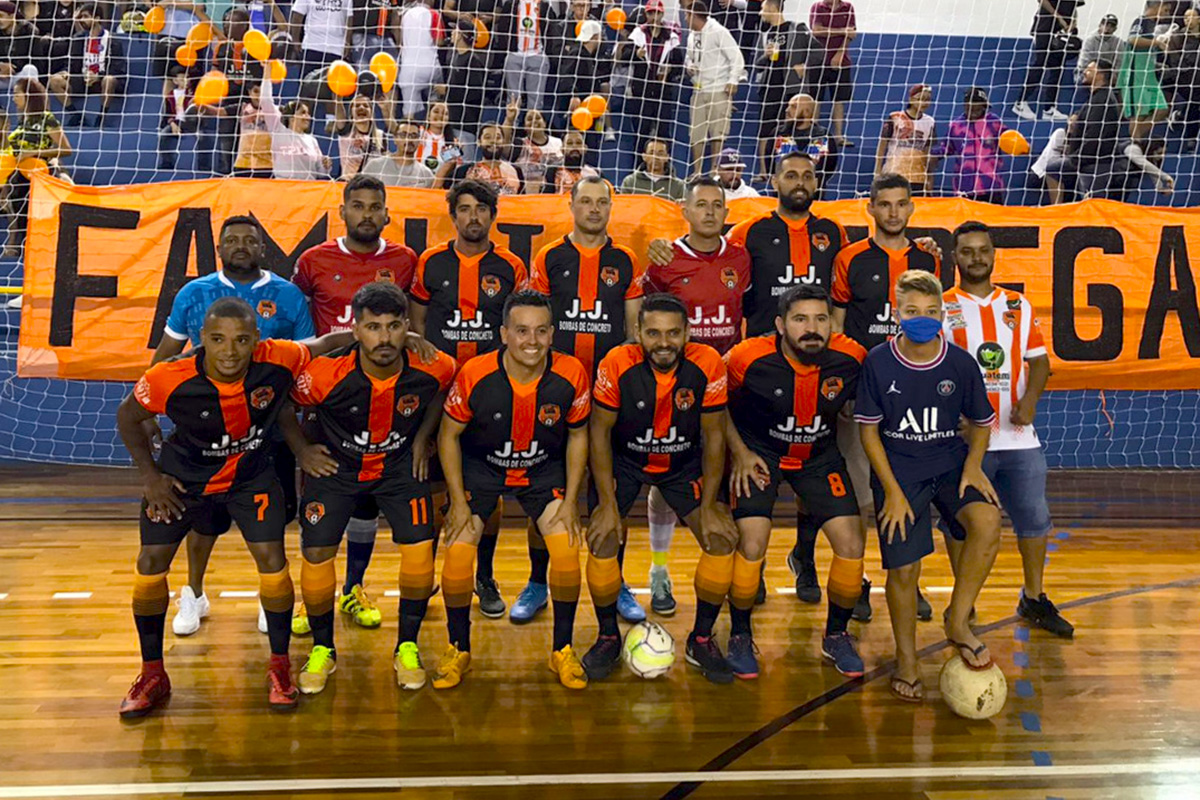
520,271
738,233
292,356
716,393
458,401
539,278
418,289
607,391
839,292
743,354
636,289
442,369
572,369
842,343
318,379
160,381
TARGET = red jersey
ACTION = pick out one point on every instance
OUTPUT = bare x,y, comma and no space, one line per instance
711,285
331,273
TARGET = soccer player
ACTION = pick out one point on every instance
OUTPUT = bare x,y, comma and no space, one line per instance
458,296
224,399
595,289
659,420
281,312
912,393
329,274
785,393
710,275
515,423
999,328
376,413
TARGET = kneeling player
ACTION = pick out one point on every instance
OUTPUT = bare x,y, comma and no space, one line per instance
224,400
659,420
377,410
913,391
786,392
515,423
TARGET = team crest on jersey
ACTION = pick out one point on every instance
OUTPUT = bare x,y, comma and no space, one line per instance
729,277
684,399
261,397
549,414
266,308
609,275
831,388
385,275
313,512
1010,319
490,285
946,388
407,405
821,241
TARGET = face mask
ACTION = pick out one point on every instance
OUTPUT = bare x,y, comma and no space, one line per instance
920,330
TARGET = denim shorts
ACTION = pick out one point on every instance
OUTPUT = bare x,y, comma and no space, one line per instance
1019,477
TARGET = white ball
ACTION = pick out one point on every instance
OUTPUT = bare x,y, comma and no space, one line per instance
648,650
973,693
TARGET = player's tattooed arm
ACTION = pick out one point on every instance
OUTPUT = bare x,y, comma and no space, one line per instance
424,443
605,522
160,490
717,529
313,459
747,465
458,518
897,514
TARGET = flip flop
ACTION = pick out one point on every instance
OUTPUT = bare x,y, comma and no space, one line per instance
918,691
975,651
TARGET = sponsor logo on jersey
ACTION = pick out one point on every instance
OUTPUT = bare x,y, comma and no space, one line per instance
990,356
266,308
610,275
142,391
385,274
945,389
490,285
549,414
821,241
313,512
832,387
729,277
1013,303
407,405
684,399
261,397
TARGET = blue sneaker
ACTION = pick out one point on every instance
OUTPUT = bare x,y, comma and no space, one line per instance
741,656
628,606
839,648
532,599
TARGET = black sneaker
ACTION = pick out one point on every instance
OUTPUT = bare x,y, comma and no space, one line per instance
761,596
1044,614
602,658
706,656
491,604
862,609
924,610
808,590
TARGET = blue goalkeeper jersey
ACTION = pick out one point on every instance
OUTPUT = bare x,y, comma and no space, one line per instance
279,305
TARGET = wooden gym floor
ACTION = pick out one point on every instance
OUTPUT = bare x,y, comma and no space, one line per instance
1115,713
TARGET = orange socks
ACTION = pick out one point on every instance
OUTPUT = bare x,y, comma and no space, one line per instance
318,583
714,574
746,577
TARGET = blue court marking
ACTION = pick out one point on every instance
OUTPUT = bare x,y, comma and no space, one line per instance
1051,547
1021,660
1030,722
32,501
1021,633
1063,535
1042,759
1024,688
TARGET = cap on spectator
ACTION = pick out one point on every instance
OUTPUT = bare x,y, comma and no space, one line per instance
976,95
1109,19
466,29
917,88
730,158
654,5
589,30
7,7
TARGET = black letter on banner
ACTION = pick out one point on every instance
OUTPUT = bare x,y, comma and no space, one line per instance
1012,238
192,223
1163,299
1107,299
416,235
68,283
520,239
284,264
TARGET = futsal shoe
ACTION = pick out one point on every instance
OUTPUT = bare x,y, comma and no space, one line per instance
450,669
862,608
360,608
150,689
322,662
839,648
628,607
808,589
410,672
704,654
283,694
743,656
924,610
532,599
662,601
1022,110
262,620
602,657
192,609
1044,614
565,664
491,604
300,626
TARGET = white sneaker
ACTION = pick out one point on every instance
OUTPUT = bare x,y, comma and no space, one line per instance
262,620
1023,111
192,609
1052,114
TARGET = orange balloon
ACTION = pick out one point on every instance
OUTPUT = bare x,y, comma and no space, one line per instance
155,21
582,118
8,165
186,56
383,66
29,167
278,71
342,79
615,19
482,34
1013,143
199,36
212,89
257,45
596,104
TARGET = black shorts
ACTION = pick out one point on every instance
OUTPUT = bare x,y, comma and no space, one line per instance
367,509
328,504
835,82
79,87
256,506
484,492
940,491
824,489
680,487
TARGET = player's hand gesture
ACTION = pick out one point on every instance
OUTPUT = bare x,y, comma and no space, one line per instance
748,467
660,252
416,343
604,525
423,447
1023,413
567,518
929,245
897,515
716,525
315,460
458,520
973,476
163,503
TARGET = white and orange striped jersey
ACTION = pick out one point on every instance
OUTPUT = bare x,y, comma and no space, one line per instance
1001,332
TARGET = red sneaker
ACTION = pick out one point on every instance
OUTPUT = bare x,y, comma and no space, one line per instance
283,694
148,691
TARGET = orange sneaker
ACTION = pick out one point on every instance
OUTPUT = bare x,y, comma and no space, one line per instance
283,694
148,691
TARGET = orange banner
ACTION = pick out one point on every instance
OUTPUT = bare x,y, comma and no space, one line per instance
1112,283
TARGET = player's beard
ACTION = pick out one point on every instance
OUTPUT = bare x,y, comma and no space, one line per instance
654,356
978,272
806,356
385,359
367,235
796,205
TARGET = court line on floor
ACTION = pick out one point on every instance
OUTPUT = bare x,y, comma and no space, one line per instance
1180,766
777,725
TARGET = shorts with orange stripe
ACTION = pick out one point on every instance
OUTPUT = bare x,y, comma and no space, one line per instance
825,489
257,506
484,492
680,487
328,504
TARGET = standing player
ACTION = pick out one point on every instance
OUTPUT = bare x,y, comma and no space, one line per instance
515,422
376,412
330,274
659,420
281,312
998,327
459,293
595,290
711,275
224,400
785,393
913,391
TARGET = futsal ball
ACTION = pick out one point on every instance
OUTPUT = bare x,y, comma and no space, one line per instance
649,650
973,693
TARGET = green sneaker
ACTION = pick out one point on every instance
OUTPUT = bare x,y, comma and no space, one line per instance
322,662
410,672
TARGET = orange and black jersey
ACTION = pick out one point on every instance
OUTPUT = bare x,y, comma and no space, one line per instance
588,289
864,283
658,414
786,408
369,424
783,254
220,427
465,296
518,430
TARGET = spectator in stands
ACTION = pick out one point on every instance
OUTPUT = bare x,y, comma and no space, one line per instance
38,136
402,168
254,159
359,137
323,29
974,140
456,11
30,11
907,139
523,25
1181,79
535,148
463,90
295,153
786,53
1141,163
657,72
491,168
656,176
175,118
730,167
265,15
1053,164
218,124
734,15
1053,32
1144,101
373,29
799,131
56,20
574,168
716,66
419,66
17,38
1102,45
834,25
586,71
1092,143
97,64
181,15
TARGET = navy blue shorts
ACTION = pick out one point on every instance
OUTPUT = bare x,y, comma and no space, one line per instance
940,491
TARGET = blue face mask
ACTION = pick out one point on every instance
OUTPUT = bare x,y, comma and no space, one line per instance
920,330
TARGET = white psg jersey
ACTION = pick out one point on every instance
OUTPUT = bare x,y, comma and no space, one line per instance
1001,333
